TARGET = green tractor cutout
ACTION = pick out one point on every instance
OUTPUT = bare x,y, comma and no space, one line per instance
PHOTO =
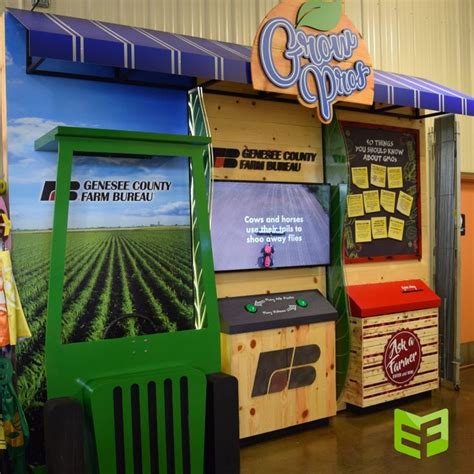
142,404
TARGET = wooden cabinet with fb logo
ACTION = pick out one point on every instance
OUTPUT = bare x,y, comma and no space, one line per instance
281,348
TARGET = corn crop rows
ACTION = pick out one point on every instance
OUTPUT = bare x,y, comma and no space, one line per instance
108,273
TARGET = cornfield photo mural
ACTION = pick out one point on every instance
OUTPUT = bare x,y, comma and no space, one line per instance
109,273
128,261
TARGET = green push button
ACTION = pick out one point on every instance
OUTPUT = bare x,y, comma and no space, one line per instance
302,303
251,308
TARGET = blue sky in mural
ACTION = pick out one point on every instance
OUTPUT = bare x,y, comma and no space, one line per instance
36,104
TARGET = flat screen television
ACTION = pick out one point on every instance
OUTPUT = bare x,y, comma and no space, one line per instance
261,225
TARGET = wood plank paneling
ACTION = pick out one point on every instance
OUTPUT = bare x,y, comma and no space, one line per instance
247,123
284,408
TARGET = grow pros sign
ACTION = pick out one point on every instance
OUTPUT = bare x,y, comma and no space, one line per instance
312,50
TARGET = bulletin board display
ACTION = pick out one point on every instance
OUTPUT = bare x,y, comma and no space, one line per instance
383,219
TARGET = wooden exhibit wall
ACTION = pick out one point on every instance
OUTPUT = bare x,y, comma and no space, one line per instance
247,123
376,272
252,123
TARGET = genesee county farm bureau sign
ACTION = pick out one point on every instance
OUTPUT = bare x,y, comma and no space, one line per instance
311,50
261,159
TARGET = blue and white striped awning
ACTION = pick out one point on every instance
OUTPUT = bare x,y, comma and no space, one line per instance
95,42
99,43
410,91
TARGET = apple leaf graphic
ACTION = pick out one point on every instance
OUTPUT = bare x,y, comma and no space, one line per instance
319,14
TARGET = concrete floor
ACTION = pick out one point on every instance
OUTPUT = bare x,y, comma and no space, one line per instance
364,443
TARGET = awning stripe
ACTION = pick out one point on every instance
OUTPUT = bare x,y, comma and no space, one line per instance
230,50
68,30
123,40
95,42
73,31
173,51
218,60
431,86
419,84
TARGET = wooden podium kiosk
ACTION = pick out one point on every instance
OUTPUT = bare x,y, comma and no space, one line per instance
281,348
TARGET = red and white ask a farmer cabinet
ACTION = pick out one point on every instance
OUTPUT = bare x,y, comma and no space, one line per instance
394,346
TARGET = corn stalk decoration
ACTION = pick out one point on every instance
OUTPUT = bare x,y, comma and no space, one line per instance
199,126
336,171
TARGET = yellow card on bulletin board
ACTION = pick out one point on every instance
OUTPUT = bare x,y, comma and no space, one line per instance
379,227
395,177
363,231
387,200
371,201
396,228
404,203
360,177
378,175
355,205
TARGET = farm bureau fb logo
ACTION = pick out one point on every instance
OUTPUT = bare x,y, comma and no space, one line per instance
49,191
285,369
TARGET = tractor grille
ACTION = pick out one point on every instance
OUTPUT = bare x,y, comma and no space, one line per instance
150,425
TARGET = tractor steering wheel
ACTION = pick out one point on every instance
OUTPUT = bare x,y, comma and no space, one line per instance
149,320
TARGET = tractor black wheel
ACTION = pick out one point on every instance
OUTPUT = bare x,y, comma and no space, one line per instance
64,428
